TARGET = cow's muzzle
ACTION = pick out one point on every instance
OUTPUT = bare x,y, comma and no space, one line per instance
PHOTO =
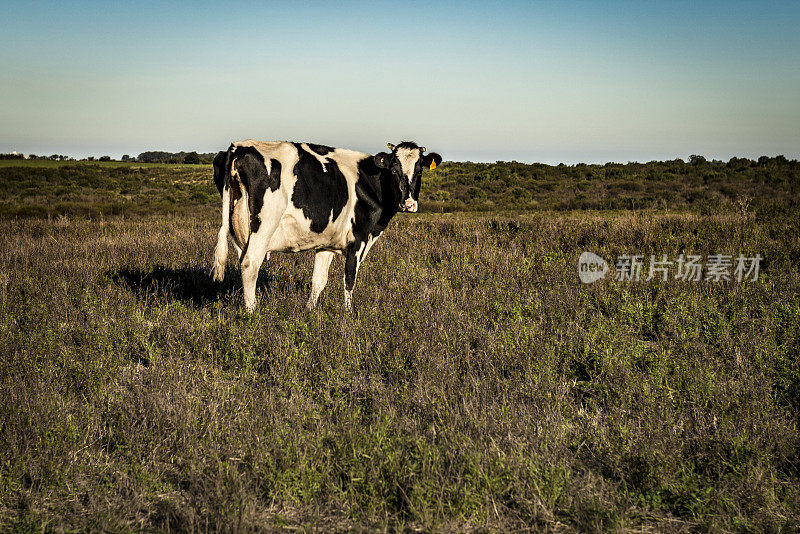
410,205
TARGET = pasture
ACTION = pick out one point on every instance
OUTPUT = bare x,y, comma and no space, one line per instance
481,386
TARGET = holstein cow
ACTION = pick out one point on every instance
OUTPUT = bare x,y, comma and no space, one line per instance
288,197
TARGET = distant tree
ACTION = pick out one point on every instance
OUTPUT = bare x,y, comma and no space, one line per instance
738,164
695,159
476,193
763,160
192,158
105,158
90,158
520,194
155,157
126,157
441,196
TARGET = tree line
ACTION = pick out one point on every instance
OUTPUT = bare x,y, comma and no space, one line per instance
155,156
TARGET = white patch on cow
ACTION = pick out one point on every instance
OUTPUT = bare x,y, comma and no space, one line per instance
411,205
322,159
370,241
268,149
408,159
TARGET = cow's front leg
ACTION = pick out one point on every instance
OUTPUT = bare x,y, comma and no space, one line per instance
355,254
322,262
351,262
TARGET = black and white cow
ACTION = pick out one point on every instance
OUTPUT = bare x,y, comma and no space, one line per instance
288,197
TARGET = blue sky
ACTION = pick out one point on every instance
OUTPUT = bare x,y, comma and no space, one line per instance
480,81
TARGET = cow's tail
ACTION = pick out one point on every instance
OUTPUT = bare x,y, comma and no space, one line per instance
221,250
222,180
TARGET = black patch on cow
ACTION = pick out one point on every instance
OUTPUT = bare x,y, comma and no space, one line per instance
254,176
376,200
320,149
220,176
320,193
274,174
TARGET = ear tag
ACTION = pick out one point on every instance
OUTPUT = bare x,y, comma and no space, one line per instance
433,164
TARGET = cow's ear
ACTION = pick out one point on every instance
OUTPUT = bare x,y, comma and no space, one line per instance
431,160
391,146
382,160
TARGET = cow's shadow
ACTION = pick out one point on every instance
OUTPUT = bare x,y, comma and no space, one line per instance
191,285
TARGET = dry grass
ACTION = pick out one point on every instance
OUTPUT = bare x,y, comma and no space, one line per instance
481,385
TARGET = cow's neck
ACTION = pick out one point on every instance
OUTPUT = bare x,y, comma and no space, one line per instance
379,192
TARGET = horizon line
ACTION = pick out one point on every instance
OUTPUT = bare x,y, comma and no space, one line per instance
551,162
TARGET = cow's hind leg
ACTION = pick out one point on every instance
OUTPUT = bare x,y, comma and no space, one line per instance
322,262
257,245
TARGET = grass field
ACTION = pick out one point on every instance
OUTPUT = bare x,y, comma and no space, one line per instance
481,385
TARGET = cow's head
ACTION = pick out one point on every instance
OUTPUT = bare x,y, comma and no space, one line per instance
405,162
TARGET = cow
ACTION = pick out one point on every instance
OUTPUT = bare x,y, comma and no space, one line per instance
289,197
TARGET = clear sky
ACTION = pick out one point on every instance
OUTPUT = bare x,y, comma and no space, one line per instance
481,81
